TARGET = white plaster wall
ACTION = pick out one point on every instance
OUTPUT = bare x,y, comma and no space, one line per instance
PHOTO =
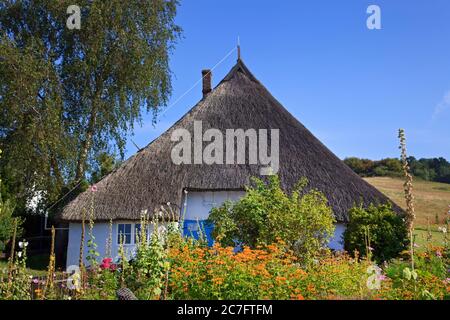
200,203
337,242
101,233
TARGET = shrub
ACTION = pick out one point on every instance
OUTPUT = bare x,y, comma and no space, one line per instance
385,230
265,214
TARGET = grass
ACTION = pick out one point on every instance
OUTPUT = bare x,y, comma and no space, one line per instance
432,200
437,238
35,272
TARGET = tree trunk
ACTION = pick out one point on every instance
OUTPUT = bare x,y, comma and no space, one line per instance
86,144
85,147
56,170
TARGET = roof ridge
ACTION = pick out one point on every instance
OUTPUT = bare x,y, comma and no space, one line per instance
239,67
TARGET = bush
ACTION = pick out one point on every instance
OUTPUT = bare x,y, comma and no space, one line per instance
265,214
381,226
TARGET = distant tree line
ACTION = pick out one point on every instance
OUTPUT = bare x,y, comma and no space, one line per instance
433,169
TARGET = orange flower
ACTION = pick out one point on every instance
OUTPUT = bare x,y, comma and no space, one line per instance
217,281
297,297
310,288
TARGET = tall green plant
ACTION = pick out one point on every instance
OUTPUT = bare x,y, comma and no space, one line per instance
149,264
409,197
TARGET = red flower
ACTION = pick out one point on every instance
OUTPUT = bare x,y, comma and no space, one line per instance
106,263
94,188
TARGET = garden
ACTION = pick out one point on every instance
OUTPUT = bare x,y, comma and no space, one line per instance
278,252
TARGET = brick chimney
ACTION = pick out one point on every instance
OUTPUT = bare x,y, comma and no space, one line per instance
206,74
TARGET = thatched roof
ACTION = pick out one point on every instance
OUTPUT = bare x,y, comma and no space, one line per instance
149,178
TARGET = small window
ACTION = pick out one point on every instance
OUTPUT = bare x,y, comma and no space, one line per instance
124,233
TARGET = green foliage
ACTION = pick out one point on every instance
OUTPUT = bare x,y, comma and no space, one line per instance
67,95
102,285
265,214
106,163
149,269
435,169
367,168
7,220
15,282
385,230
7,223
429,280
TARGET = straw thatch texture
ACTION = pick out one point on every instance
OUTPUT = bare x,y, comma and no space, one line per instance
149,178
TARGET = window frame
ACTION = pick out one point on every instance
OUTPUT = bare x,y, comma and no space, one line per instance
132,233
125,234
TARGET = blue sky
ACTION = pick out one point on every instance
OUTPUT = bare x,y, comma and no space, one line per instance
351,86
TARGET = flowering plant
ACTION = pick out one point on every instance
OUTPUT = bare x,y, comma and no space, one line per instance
107,264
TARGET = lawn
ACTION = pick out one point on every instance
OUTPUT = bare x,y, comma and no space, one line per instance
35,272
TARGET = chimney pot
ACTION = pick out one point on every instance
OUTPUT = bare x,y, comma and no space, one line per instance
206,75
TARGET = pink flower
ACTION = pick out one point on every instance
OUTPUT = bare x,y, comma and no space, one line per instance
36,280
382,277
439,254
94,188
107,264
416,245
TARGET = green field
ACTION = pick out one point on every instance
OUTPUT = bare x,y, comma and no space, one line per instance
432,200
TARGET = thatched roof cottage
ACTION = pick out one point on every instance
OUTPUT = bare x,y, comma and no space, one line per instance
150,178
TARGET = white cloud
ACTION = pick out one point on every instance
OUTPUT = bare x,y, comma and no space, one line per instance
443,105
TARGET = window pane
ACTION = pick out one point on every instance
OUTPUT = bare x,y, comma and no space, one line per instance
137,232
137,227
124,233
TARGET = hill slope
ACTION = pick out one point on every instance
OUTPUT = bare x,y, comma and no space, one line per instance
432,199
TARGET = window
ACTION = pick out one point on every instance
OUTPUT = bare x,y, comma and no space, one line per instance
124,233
